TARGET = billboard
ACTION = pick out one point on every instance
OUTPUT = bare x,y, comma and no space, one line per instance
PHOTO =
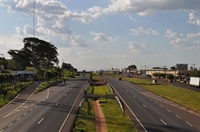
182,66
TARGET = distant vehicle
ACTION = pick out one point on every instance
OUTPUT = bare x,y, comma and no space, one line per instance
194,81
120,78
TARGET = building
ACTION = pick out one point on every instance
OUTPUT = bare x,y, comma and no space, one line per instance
24,75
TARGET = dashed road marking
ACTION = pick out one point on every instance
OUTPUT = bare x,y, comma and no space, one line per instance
163,122
31,109
25,113
57,103
169,111
10,124
133,96
145,106
189,123
178,116
19,118
1,130
161,106
40,121
65,94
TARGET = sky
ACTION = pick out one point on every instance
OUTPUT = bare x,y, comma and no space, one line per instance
105,34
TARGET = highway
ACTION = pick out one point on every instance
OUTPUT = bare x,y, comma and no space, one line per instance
154,113
52,110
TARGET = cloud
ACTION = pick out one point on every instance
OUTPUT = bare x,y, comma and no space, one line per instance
132,18
147,7
141,30
183,42
171,34
78,41
102,37
194,19
139,48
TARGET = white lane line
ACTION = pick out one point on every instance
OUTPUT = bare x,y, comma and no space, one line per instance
145,106
155,102
65,94
25,114
40,121
19,118
127,91
163,122
161,106
169,111
189,123
31,109
57,103
10,124
1,130
178,116
133,96
47,94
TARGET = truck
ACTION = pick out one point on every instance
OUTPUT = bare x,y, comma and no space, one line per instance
194,81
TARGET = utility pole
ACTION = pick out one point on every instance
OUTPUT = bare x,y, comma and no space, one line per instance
193,66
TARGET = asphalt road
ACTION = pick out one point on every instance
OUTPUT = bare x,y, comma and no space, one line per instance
155,114
48,111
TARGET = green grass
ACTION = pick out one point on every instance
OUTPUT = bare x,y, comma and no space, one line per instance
85,121
185,97
12,93
116,121
102,90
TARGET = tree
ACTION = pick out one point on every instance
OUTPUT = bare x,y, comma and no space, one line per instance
194,73
132,67
173,68
156,68
34,53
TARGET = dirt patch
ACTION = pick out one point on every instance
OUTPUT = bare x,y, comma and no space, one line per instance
99,117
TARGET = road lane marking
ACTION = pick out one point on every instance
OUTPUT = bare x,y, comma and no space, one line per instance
178,116
127,91
189,123
163,122
133,96
145,106
57,103
65,94
47,94
161,106
19,118
25,114
155,102
10,124
40,121
31,109
1,130
169,111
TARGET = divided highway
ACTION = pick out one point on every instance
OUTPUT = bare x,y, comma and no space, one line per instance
155,114
48,111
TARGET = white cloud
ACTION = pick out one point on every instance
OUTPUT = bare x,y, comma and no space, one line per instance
147,7
183,42
102,37
171,34
139,48
141,30
132,18
78,41
192,35
194,19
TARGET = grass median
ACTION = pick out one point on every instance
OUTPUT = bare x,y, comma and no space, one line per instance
116,121
185,97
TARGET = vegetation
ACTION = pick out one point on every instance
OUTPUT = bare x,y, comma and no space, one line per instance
184,97
85,121
37,53
11,93
116,121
